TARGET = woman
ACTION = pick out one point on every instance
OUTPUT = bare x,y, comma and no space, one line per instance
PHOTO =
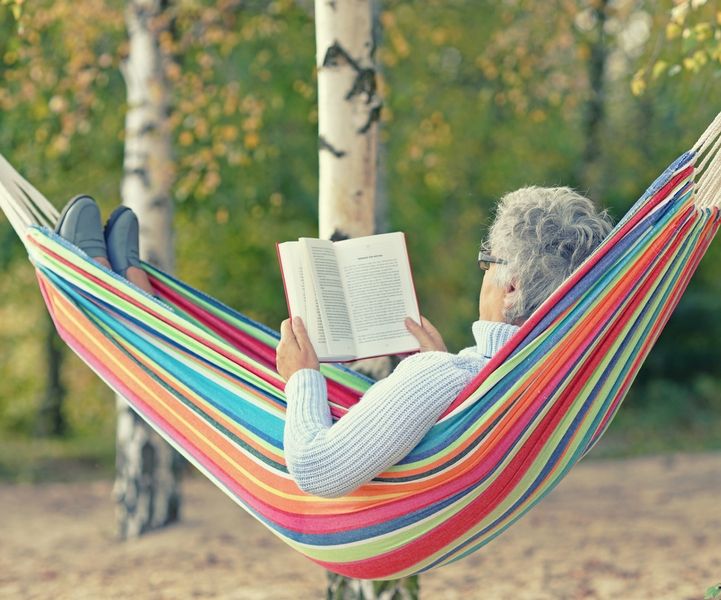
539,237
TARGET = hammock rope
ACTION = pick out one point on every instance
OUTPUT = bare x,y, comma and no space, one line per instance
203,376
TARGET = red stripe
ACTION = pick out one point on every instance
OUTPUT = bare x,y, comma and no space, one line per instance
567,286
247,344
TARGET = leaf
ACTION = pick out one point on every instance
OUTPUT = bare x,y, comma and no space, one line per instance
689,64
713,593
673,30
659,68
703,31
638,83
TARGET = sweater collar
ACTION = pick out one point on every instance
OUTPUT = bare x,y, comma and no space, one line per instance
491,336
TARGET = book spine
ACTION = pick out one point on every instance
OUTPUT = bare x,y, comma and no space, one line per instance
282,276
413,277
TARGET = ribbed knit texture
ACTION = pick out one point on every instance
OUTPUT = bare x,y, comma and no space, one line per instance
331,460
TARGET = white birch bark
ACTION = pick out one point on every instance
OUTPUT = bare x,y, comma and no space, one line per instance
348,114
147,476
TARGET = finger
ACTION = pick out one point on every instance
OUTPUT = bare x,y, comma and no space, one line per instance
418,332
426,324
286,333
301,335
431,330
298,327
411,325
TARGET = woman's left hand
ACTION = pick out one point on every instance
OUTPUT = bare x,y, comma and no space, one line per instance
427,335
295,351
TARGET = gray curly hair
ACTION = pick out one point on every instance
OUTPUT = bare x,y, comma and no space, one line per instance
544,234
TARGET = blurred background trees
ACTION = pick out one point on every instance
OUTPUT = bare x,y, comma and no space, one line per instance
479,98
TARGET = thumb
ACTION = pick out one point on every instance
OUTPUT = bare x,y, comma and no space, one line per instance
301,335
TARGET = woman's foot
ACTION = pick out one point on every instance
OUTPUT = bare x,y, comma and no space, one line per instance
79,223
121,240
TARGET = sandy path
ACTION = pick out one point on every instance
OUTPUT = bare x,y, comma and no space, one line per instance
645,528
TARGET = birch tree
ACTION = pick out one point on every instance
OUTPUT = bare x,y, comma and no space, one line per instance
348,114
147,478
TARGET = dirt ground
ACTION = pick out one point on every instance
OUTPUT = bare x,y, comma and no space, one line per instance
634,529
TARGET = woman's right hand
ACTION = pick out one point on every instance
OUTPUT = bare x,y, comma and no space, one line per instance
295,350
426,334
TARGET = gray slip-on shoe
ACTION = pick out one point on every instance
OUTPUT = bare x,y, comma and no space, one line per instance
121,240
79,223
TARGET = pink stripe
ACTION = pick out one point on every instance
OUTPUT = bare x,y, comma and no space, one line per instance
710,230
564,289
338,393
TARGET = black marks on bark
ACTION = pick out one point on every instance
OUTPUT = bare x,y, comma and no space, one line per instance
337,55
338,236
323,144
148,128
333,4
365,79
374,115
140,172
364,83
159,203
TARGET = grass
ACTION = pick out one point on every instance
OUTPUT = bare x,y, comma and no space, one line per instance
662,417
627,438
34,460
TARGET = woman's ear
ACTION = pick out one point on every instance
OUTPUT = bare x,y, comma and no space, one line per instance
509,297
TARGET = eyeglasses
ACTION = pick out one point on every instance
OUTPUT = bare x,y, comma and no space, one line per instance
485,261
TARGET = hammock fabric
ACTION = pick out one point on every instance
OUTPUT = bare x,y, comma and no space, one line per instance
203,376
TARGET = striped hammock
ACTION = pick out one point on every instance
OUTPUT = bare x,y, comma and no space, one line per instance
203,376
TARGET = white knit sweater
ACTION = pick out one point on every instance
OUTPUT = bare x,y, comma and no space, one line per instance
394,414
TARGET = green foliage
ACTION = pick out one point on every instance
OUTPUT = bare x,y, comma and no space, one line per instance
713,593
691,44
15,7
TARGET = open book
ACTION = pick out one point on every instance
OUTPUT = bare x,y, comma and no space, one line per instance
352,295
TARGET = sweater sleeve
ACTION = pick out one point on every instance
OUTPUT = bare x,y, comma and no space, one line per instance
332,459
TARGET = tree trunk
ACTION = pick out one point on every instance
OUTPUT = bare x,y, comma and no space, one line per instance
148,469
343,588
591,175
50,420
348,114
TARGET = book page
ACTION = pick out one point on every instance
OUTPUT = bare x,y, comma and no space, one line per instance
292,272
379,287
322,266
301,298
